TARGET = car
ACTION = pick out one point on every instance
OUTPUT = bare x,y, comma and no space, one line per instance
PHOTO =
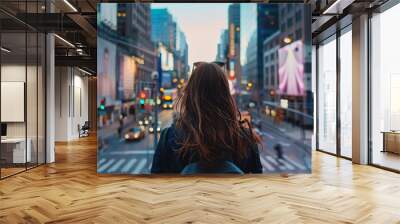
168,105
151,128
135,134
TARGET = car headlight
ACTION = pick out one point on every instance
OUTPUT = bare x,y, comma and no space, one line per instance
151,129
126,136
146,122
136,135
165,106
170,106
140,122
158,129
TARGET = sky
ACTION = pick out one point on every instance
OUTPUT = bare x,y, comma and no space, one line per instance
202,24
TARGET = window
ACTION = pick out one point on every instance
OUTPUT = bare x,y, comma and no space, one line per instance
346,94
385,89
289,7
327,96
22,65
272,70
283,26
299,16
299,34
290,22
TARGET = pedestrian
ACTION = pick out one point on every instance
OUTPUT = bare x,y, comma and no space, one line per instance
278,150
207,136
121,125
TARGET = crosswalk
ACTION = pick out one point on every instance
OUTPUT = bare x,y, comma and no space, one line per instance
124,165
274,165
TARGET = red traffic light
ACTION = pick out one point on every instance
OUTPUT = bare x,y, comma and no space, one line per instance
142,94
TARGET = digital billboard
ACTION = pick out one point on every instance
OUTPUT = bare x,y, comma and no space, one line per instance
291,69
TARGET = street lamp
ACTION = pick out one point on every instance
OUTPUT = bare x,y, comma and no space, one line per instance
154,77
287,40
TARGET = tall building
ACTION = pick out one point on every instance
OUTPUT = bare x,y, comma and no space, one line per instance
293,20
233,53
181,53
167,31
258,22
234,18
135,27
271,47
222,47
163,27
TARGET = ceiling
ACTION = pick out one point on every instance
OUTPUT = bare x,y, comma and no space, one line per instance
74,21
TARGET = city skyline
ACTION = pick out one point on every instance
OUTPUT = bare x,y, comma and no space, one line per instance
192,22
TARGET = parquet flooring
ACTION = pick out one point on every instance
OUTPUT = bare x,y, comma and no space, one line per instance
70,191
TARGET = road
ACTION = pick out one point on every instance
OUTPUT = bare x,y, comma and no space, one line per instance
136,157
120,156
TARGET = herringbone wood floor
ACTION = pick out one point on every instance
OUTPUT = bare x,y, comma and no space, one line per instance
70,191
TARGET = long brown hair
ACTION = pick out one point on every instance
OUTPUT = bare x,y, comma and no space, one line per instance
208,116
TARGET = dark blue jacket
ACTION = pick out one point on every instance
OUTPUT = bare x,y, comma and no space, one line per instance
167,159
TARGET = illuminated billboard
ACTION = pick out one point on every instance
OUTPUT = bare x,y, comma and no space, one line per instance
127,73
291,69
106,60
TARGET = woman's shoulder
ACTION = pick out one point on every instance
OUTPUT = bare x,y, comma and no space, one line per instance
170,134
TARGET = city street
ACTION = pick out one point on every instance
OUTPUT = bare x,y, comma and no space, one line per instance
120,156
295,158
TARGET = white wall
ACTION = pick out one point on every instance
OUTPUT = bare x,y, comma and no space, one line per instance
33,126
71,102
16,73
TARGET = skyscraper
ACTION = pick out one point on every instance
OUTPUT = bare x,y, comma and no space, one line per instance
163,28
258,22
222,47
234,43
134,28
167,31
293,19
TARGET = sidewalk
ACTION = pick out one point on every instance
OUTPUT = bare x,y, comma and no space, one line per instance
286,129
111,131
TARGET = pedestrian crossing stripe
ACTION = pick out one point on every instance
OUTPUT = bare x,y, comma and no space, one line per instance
135,152
135,166
287,164
115,167
298,165
139,168
106,165
266,165
128,166
271,164
101,161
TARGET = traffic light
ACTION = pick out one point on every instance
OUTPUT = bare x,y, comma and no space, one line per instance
141,102
142,95
102,104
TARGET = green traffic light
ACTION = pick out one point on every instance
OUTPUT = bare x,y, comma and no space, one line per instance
102,107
